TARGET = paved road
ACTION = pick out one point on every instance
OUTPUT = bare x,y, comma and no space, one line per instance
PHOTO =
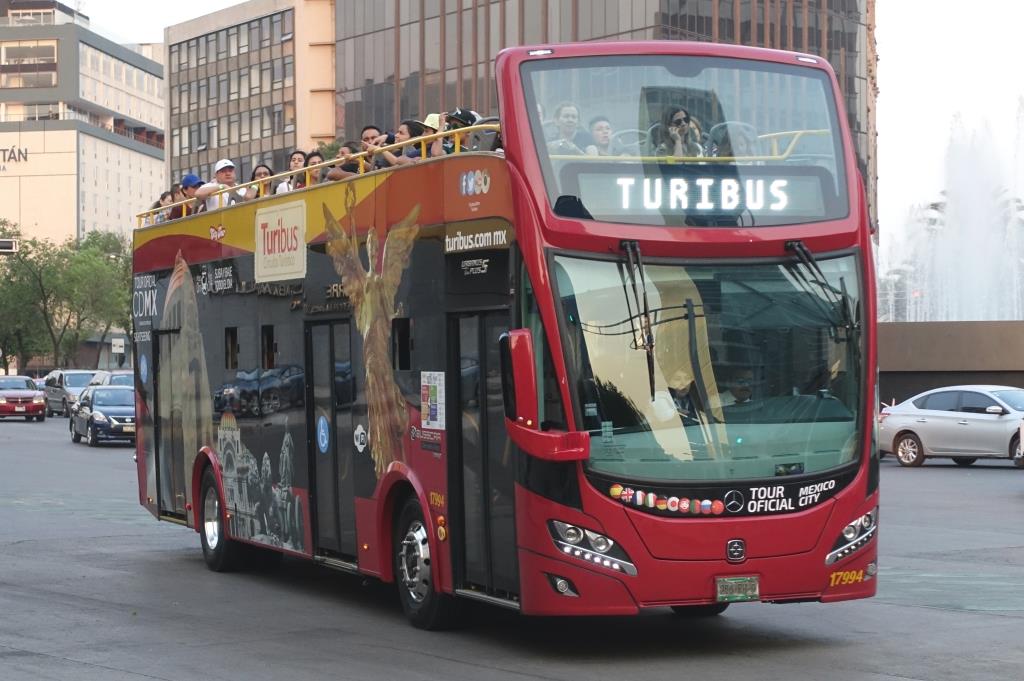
91,587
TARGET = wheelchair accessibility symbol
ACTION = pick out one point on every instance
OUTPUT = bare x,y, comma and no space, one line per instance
323,434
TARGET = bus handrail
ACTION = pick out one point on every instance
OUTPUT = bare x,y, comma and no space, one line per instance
423,141
772,137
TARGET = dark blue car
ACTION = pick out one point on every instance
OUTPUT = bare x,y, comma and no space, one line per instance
102,413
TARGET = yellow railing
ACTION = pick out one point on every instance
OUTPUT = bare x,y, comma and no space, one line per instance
147,218
772,138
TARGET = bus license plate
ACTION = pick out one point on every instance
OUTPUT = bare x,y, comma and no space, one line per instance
128,429
735,589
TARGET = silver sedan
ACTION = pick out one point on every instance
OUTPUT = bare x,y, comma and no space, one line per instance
964,422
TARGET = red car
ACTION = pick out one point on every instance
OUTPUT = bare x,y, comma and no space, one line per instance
19,396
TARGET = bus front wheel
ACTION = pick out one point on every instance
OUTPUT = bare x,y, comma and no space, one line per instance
219,552
425,607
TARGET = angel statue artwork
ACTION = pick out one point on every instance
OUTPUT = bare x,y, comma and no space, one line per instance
372,292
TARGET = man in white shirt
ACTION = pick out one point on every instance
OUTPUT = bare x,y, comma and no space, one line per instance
224,178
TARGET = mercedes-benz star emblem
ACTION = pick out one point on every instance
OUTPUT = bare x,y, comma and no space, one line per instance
734,501
736,550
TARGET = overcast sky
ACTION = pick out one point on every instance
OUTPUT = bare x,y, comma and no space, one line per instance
933,64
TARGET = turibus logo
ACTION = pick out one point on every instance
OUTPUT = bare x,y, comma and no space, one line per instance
474,182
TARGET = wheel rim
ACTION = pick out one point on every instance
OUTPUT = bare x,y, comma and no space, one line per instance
211,518
414,562
907,451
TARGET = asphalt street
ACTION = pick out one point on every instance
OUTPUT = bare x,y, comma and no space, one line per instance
93,588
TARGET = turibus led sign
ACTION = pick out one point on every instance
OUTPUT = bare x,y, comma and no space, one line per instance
703,194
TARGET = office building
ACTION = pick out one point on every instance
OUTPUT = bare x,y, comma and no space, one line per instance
81,124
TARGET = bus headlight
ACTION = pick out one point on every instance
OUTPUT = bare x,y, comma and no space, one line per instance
590,547
854,536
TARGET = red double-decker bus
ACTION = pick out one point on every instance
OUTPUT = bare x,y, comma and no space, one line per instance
624,361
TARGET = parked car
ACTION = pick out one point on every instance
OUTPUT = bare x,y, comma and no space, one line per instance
115,377
63,387
964,422
19,397
104,412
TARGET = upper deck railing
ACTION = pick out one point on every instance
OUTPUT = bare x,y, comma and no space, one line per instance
423,142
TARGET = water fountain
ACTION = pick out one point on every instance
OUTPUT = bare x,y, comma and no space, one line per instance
959,257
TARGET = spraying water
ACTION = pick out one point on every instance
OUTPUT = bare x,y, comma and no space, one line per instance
959,256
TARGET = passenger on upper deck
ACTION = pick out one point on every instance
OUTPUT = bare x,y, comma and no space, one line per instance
570,139
260,172
456,119
677,134
733,139
347,167
296,161
189,185
408,129
224,173
604,145
313,176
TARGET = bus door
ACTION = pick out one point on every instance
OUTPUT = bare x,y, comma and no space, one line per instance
485,456
330,393
168,425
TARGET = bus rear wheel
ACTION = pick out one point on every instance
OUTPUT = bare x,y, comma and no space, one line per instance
709,610
219,552
425,607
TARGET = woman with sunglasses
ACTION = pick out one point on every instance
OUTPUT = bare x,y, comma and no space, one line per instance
676,135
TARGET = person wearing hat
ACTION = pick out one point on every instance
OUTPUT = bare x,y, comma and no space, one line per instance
455,120
224,178
190,183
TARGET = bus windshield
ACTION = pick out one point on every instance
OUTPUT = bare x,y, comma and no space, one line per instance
729,372
687,141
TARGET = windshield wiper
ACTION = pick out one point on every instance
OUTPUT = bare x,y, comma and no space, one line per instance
838,298
645,339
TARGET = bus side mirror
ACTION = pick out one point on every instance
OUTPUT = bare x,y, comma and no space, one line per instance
519,390
519,377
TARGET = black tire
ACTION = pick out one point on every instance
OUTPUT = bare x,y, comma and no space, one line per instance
75,436
219,552
964,460
709,610
90,435
41,417
29,418
425,607
1015,454
64,408
908,450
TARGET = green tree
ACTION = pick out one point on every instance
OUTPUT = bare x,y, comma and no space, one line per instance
99,276
22,334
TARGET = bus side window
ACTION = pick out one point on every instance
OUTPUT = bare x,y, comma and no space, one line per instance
231,347
401,344
268,348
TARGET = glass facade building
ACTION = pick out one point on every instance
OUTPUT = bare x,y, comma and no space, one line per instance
401,59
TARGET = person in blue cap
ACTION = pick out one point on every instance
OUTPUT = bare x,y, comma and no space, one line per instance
189,184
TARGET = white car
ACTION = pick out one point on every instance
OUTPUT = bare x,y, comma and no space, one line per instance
963,422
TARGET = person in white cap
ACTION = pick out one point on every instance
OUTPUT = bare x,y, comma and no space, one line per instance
224,177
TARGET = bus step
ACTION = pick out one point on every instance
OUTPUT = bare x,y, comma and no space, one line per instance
335,564
487,598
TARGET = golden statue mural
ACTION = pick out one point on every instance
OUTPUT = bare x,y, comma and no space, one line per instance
372,295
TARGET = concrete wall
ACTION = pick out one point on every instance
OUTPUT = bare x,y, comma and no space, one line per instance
918,356
39,193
